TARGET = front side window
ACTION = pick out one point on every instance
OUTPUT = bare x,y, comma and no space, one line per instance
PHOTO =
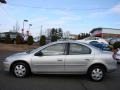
56,49
77,49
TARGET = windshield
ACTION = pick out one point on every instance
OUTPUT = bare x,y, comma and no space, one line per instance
31,50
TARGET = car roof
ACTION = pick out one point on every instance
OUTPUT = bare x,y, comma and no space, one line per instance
70,41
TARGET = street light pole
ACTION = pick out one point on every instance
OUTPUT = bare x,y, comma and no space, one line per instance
24,23
30,26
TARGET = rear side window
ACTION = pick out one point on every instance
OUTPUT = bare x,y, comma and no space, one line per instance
77,49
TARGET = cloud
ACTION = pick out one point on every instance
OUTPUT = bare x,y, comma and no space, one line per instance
6,21
61,19
116,8
61,13
100,14
66,15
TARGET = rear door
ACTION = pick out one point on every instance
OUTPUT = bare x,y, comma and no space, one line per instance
79,56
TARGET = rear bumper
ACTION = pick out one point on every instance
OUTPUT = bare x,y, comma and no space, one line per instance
112,67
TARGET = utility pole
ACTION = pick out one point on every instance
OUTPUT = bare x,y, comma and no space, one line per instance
41,31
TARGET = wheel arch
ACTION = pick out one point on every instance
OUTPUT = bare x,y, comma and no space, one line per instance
11,66
97,64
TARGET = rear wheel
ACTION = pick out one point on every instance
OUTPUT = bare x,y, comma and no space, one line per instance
96,73
20,69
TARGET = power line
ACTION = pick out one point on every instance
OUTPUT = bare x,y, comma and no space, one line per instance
59,8
6,12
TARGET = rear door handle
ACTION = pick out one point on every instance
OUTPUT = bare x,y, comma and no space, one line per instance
60,60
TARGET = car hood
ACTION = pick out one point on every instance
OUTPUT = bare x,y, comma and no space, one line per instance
18,54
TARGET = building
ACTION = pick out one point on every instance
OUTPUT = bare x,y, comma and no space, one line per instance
12,35
73,36
105,33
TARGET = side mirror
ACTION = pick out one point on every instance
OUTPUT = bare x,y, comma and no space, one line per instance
39,53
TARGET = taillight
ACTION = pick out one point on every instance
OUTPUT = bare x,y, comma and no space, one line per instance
116,56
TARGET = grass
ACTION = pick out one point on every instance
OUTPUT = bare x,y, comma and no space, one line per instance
14,47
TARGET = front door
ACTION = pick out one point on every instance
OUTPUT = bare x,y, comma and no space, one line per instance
51,60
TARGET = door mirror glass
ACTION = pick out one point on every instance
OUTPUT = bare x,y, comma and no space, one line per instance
39,53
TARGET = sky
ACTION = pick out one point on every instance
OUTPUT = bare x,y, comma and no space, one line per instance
75,16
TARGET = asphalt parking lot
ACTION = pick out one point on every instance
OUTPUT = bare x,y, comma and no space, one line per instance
55,82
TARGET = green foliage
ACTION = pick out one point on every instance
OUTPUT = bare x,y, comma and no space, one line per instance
83,35
19,39
79,37
30,40
59,33
56,33
42,40
116,45
54,38
8,39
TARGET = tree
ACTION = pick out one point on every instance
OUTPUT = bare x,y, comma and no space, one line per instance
19,39
83,35
56,33
3,1
16,27
30,40
42,40
116,45
54,38
8,39
60,33
53,32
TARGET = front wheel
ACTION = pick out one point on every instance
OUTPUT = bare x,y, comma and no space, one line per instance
20,69
96,73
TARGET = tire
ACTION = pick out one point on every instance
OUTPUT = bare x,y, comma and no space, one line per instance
96,73
20,70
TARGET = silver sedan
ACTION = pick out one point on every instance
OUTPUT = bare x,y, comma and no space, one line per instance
62,57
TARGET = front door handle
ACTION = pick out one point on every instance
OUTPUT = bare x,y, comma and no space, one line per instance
87,59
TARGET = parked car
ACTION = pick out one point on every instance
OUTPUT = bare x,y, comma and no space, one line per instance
113,40
62,57
101,46
90,39
117,55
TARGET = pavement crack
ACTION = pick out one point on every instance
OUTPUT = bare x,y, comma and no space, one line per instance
83,85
